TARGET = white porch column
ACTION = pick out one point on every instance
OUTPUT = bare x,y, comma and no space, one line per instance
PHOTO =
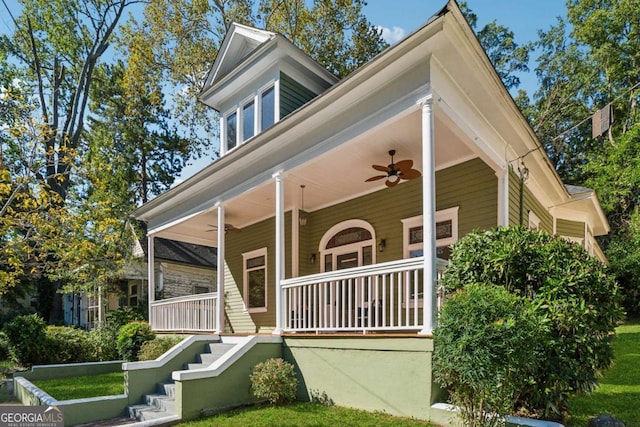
220,271
151,276
503,196
429,216
280,253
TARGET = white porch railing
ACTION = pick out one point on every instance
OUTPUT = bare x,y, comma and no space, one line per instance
379,297
190,313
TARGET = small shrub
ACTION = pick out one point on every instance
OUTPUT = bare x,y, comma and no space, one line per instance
27,339
274,380
151,350
104,339
130,339
104,343
487,348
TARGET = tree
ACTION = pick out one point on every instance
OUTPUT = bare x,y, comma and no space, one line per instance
179,40
59,44
498,41
130,123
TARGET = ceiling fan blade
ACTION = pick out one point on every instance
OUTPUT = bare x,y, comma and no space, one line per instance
381,168
404,165
410,174
390,183
375,178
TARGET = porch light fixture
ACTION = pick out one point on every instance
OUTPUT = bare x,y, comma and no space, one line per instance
312,259
302,219
382,245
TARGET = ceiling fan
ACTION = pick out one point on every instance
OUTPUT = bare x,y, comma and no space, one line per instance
395,171
227,228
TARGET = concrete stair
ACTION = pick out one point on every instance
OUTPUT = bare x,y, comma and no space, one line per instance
160,408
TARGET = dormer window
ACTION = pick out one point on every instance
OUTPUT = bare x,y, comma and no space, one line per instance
248,121
231,131
250,117
268,108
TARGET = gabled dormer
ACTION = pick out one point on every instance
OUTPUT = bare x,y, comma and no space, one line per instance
257,79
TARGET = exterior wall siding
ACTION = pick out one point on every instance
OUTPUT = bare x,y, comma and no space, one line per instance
471,185
565,227
181,280
530,203
256,236
292,95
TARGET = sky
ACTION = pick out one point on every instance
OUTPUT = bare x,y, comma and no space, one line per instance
399,18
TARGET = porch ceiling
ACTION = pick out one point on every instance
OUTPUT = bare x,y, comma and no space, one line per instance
333,177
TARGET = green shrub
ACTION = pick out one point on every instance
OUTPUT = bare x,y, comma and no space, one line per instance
151,350
4,346
487,347
68,345
130,339
27,339
104,343
274,380
104,339
580,302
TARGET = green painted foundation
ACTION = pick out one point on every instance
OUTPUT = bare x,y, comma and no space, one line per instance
197,397
386,374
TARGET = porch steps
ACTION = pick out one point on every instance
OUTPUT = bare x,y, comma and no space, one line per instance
160,408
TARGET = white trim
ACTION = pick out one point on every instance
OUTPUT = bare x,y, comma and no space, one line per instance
360,223
220,274
416,221
245,282
503,197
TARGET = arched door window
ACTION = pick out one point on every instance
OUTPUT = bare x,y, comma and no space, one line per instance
346,245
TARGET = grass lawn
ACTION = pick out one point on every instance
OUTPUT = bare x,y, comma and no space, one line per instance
619,391
81,387
304,414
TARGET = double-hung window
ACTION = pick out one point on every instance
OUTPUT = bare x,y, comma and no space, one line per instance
255,280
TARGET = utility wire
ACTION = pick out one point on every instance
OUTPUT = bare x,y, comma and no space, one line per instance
564,133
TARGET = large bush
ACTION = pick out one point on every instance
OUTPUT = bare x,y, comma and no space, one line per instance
580,302
27,339
131,337
486,351
274,380
68,345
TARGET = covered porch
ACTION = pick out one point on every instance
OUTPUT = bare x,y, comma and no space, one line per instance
285,216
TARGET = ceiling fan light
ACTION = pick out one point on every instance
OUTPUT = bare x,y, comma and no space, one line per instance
394,178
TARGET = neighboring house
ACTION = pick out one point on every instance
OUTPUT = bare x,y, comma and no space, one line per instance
182,270
336,255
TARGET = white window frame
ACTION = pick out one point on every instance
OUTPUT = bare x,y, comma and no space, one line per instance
225,121
533,221
416,221
245,277
246,101
261,91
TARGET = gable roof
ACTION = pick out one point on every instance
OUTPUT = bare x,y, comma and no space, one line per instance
460,76
245,53
184,253
239,42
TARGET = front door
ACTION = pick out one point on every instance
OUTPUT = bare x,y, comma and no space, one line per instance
347,299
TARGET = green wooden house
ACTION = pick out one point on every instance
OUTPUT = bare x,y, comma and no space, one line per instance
334,202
